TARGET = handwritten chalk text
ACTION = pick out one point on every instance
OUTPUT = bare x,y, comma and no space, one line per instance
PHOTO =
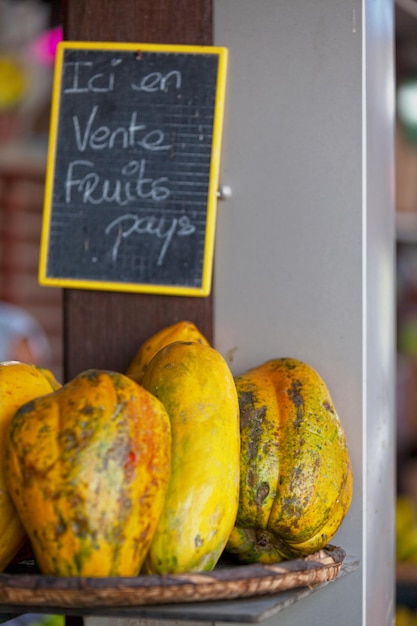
127,225
83,183
129,136
83,79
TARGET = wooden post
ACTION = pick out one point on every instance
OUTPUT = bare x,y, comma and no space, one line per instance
104,329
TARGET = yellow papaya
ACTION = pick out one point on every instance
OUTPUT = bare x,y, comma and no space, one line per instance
196,386
295,474
19,383
55,384
180,331
87,469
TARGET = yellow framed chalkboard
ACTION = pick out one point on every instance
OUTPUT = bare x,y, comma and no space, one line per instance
133,167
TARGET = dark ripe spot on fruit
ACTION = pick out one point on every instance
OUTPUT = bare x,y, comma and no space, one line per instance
296,479
78,562
142,536
119,381
251,418
127,504
295,393
261,493
296,397
328,406
256,432
92,376
116,535
287,362
73,497
68,440
198,541
26,408
60,528
85,433
246,407
87,409
262,539
251,478
291,509
80,526
169,562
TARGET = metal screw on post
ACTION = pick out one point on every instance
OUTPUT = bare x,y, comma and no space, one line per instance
224,192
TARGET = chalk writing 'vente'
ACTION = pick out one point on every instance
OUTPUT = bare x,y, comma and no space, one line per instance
132,135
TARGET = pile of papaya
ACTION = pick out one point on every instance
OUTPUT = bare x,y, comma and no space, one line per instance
166,467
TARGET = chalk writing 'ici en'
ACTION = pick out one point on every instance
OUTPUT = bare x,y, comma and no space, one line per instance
83,79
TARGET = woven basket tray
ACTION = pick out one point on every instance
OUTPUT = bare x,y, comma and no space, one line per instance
224,582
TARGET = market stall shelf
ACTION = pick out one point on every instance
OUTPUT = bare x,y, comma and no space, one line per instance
28,592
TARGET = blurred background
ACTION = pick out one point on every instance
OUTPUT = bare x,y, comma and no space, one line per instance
29,31
30,329
406,219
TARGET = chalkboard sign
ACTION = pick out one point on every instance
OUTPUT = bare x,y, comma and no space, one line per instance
133,163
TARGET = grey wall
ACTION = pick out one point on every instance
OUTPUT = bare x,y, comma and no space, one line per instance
304,248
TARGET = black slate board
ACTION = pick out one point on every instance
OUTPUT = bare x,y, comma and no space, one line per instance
133,167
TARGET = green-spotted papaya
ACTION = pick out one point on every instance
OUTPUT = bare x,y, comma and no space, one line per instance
296,474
